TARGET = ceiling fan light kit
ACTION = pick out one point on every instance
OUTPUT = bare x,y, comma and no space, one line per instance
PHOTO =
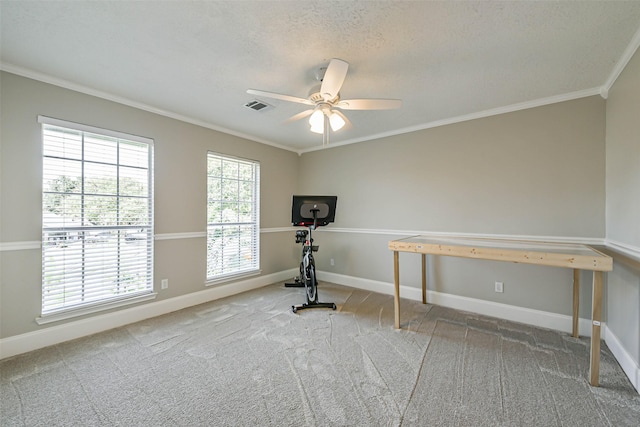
316,121
336,121
326,97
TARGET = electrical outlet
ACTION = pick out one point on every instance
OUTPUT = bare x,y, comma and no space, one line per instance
332,262
499,287
164,283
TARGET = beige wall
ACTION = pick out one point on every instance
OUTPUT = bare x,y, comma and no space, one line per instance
623,208
180,151
623,156
537,172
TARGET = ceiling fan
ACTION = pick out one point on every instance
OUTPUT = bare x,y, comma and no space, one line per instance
326,102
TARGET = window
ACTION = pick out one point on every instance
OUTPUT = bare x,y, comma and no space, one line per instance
97,225
233,216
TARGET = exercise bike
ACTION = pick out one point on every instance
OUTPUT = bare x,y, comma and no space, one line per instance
307,277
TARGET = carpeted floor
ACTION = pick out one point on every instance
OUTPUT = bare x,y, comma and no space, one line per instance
247,360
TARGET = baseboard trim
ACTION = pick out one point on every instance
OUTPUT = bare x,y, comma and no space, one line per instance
629,366
539,318
52,335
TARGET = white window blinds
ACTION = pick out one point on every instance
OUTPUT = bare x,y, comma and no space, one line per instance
233,216
97,223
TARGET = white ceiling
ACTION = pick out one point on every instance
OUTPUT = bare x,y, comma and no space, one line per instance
446,60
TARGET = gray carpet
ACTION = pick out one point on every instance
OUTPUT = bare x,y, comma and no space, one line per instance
247,360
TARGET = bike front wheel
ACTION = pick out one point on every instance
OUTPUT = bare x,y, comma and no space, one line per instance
311,285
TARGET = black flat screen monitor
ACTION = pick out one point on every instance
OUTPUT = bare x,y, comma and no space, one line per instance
303,206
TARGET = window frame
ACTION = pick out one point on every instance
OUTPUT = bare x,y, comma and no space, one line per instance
237,270
119,234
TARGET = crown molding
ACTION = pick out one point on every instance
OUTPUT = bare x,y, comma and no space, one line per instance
34,75
10,68
628,53
472,116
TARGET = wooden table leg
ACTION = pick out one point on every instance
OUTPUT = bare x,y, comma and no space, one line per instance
424,278
396,280
576,302
594,369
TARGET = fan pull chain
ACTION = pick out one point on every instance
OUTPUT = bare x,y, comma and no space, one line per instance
325,134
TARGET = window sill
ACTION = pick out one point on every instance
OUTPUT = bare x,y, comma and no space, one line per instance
83,311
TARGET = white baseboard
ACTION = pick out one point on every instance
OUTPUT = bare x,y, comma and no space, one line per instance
52,335
543,319
629,366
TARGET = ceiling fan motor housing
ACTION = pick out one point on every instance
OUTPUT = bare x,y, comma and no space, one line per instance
316,96
320,73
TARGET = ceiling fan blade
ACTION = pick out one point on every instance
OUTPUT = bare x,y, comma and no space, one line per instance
369,104
280,96
299,116
333,79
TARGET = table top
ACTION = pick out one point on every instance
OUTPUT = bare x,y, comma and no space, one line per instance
571,255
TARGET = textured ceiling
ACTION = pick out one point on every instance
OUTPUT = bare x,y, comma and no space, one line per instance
445,60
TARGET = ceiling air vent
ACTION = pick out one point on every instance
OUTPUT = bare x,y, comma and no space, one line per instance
258,105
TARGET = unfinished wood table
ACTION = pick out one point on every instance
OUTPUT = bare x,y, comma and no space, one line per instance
575,256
